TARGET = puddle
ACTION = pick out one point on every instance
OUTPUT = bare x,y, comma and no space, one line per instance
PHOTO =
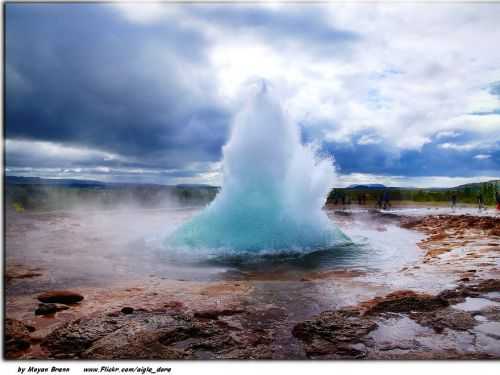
398,333
475,304
491,329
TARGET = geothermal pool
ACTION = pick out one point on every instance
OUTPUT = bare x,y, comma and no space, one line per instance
95,248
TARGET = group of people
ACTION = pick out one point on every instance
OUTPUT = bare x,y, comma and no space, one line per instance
479,199
384,202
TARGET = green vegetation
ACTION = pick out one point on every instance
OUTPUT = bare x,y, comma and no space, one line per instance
39,197
45,197
465,193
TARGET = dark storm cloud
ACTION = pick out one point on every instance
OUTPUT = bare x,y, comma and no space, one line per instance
130,96
82,75
432,160
306,25
495,88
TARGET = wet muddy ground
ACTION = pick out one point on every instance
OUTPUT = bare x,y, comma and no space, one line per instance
418,285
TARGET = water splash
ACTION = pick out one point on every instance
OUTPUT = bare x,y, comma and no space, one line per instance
273,191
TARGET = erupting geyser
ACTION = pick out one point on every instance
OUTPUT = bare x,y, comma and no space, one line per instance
273,190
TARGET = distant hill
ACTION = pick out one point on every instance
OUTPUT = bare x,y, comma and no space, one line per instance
196,186
16,180
367,186
465,193
34,193
476,185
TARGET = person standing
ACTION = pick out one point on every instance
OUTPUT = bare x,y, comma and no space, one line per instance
454,200
387,203
480,201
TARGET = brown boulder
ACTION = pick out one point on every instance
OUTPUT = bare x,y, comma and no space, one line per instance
445,318
404,301
17,337
60,296
489,285
334,334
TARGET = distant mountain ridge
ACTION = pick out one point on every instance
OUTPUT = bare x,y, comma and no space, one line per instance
18,180
467,193
68,182
367,186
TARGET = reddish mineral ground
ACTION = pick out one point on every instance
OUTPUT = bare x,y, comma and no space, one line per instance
96,286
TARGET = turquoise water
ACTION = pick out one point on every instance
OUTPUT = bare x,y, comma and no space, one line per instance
256,224
274,188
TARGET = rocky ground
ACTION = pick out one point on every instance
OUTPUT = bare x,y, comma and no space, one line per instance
449,308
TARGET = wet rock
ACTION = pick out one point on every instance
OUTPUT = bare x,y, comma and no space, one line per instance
342,213
433,253
60,296
456,295
49,308
17,338
77,336
404,301
158,334
486,224
439,223
127,310
491,313
445,318
214,314
334,334
13,274
428,354
388,215
489,285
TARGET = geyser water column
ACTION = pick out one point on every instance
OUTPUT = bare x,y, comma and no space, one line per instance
273,190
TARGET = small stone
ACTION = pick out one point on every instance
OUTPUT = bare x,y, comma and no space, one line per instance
49,308
127,310
46,309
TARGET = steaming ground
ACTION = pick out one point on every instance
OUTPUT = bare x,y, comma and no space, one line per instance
116,259
98,247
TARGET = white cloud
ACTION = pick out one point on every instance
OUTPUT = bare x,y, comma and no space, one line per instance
459,147
51,150
482,156
368,140
447,134
147,12
417,71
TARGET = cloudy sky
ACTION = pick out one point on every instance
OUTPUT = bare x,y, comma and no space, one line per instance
403,94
